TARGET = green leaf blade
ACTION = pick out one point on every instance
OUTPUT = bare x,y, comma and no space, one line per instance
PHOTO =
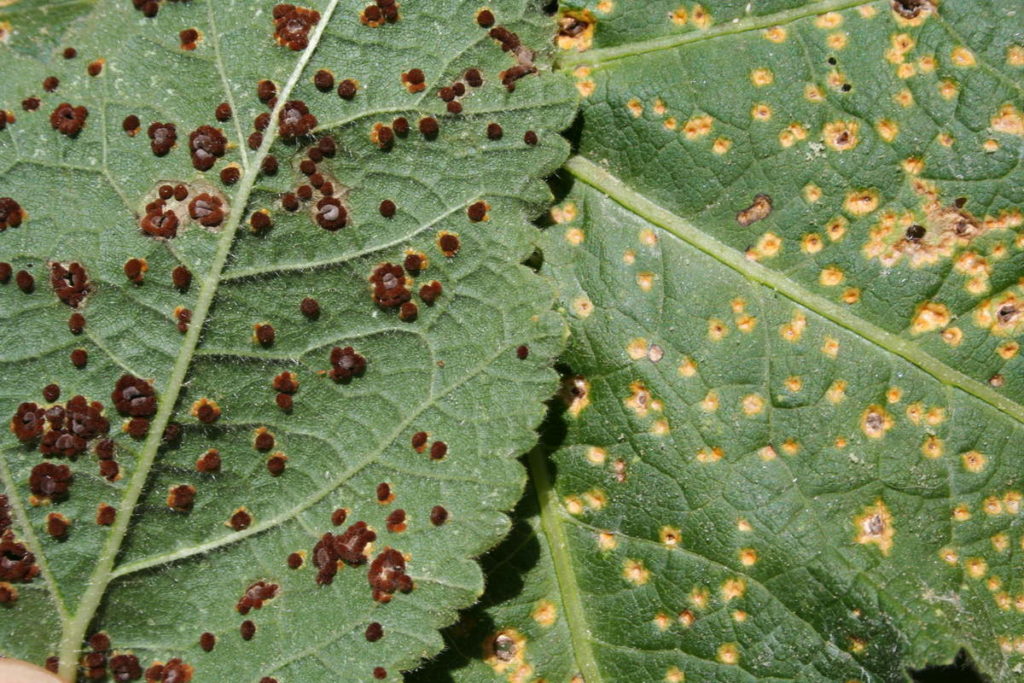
158,578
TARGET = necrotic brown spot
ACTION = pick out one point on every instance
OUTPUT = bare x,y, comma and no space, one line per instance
276,464
294,561
387,575
208,462
180,498
347,89
330,214
430,292
292,25
162,137
396,521
71,283
247,629
181,278
240,520
188,38
485,18
135,270
207,641
69,119
387,208
477,211
105,514
76,323
346,364
438,450
339,516
50,83
57,525
49,481
530,138
438,515
448,243
758,210
79,358
374,632
310,308
207,144
11,216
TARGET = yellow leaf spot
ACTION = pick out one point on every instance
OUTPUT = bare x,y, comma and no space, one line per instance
794,329
687,368
836,392
893,395
945,139
875,421
699,598
710,402
912,165
973,461
698,127
904,98
674,675
721,145
577,390
776,34
635,108
648,237
1008,350
949,556
762,77
930,316
700,17
837,40
932,447
1001,542
842,136
582,307
875,526
629,257
1012,500
606,541
768,245
948,89
709,455
564,213
790,446
640,400
830,347
729,653
962,57
761,112
576,30
867,11
744,526
733,589
861,202
670,536
1015,55
812,93
794,384
829,20
831,276
767,453
752,404
574,236
748,557
586,88
679,16
645,280
595,499
596,455
811,243
573,505
717,330
635,572
857,645
1008,120
887,129
976,567
545,613
662,621
660,427
605,6
906,70
850,296
992,506
670,123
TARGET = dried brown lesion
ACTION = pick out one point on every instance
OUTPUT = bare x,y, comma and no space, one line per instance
576,30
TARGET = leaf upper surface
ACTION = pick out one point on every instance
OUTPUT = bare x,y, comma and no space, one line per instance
791,422
169,569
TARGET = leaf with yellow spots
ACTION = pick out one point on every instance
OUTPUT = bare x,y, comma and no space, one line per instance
820,472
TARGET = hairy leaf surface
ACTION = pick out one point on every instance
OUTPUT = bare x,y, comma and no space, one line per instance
792,415
178,508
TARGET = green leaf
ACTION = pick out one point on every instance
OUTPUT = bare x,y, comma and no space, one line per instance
178,562
792,425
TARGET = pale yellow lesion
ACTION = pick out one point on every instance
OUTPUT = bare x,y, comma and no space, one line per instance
728,653
545,613
875,527
635,572
876,421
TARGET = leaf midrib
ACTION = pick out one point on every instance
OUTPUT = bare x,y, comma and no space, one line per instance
74,630
632,200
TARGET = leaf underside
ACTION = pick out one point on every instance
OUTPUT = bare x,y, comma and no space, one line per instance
788,446
173,565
